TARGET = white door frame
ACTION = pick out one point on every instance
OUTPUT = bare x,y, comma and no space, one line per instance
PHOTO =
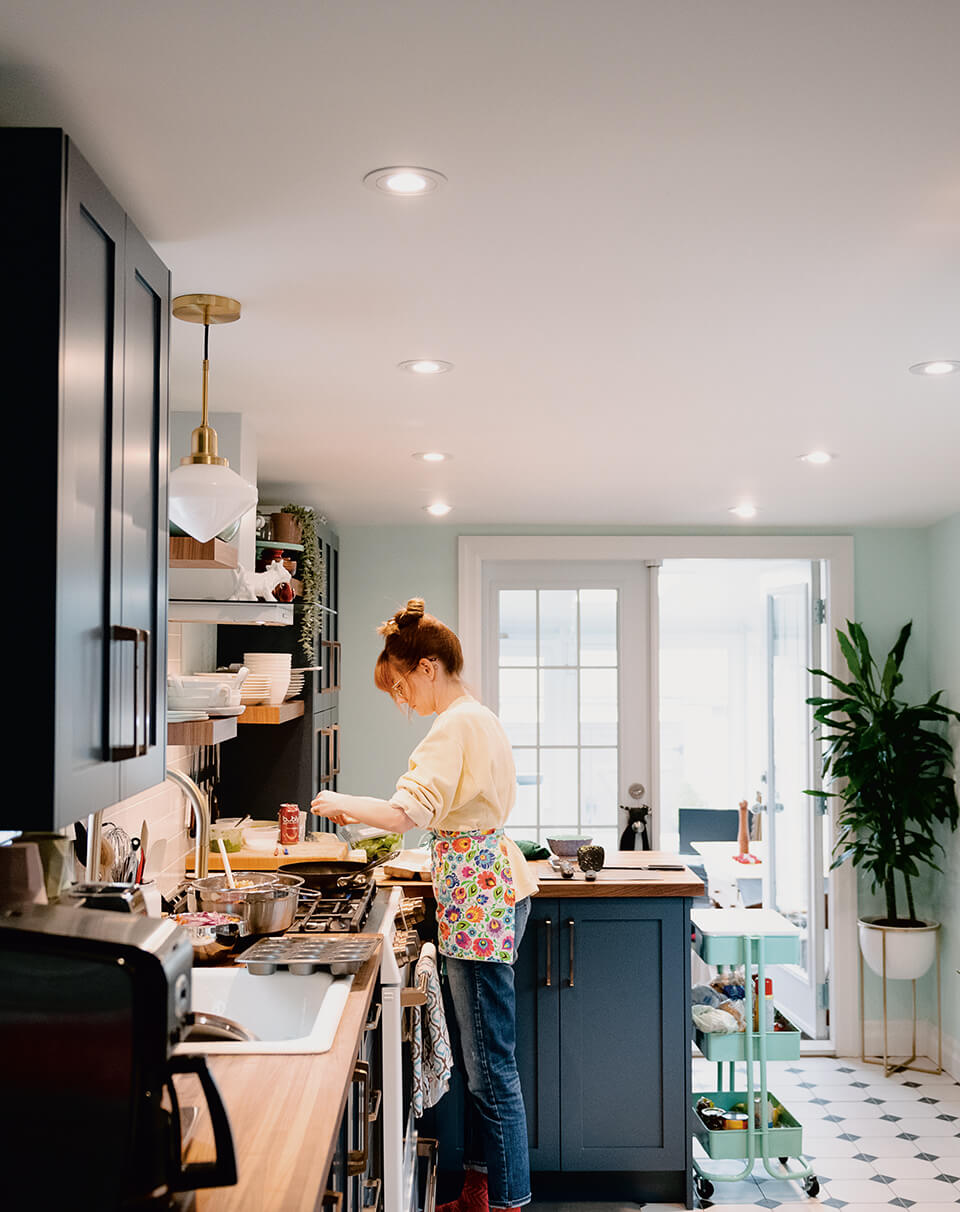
475,550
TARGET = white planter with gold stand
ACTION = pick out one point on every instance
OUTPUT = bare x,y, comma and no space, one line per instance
899,953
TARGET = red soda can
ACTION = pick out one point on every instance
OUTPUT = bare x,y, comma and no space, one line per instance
289,824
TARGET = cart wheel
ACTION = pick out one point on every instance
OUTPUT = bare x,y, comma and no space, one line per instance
703,1187
784,1160
812,1185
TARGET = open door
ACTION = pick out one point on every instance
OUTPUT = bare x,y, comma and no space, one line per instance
793,824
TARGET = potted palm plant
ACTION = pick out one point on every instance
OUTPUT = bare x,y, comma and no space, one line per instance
890,762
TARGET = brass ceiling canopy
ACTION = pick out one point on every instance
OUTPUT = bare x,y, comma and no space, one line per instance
205,310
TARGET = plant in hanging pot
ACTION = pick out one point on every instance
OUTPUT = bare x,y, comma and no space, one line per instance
891,762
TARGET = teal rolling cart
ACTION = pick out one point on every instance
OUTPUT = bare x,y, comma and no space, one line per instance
725,938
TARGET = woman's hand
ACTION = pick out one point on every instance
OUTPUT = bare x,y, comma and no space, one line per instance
331,804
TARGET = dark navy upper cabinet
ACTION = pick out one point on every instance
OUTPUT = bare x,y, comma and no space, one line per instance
603,1043
90,327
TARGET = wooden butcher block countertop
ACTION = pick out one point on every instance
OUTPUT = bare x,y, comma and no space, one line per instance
627,873
284,1113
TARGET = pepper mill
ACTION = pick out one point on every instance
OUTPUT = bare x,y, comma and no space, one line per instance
590,859
743,834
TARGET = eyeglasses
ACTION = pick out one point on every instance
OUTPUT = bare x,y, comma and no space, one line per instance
397,691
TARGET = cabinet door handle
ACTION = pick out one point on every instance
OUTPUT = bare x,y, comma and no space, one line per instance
357,1158
374,1023
570,924
548,929
121,753
335,740
143,636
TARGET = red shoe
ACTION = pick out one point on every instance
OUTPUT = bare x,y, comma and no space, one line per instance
473,1197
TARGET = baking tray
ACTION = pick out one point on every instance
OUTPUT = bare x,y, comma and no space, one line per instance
303,955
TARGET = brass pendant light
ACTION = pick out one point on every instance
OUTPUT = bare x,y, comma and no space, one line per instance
205,495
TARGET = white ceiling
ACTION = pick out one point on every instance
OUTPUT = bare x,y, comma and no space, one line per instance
681,244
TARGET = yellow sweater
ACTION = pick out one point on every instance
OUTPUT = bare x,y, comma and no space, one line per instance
462,777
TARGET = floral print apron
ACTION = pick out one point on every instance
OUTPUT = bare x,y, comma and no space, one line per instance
473,885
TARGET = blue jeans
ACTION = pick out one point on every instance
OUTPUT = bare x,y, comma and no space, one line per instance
484,1039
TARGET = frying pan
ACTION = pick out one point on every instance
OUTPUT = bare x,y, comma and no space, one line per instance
322,875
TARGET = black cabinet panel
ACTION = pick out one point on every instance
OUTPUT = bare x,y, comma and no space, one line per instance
91,324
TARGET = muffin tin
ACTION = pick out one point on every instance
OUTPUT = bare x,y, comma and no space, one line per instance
304,954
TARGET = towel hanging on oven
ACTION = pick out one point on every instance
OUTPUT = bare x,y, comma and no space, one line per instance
430,1050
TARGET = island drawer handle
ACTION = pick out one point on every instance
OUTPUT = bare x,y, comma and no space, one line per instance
374,1023
549,930
333,1199
570,924
374,1111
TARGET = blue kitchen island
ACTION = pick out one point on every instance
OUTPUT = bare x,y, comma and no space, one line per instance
603,1037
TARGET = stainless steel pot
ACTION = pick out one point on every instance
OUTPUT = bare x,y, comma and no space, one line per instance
267,903
202,1025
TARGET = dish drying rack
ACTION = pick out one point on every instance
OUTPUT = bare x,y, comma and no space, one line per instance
752,937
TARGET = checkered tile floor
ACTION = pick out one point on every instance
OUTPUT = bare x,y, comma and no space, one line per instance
874,1143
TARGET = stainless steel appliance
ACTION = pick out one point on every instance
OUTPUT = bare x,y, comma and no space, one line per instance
91,1004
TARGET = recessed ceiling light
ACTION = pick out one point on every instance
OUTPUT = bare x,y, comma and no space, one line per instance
404,181
817,456
431,456
438,509
940,367
744,511
425,366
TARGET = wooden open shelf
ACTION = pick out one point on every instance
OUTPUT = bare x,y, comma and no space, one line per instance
265,714
189,553
203,732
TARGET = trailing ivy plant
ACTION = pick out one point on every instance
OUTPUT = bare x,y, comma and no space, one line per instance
891,762
310,572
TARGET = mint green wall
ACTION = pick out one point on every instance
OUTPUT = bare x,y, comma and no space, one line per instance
381,567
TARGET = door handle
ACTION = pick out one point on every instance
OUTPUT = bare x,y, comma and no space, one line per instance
570,924
548,929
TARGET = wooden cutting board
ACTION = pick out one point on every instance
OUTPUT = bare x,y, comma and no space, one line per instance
265,860
408,865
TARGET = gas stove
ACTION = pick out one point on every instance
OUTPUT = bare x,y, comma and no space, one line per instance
340,911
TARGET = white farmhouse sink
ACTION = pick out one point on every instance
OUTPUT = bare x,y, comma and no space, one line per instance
288,1013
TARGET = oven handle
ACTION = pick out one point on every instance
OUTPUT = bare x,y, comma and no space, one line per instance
222,1171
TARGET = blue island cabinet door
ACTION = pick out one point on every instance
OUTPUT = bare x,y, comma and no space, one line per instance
625,1063
538,1032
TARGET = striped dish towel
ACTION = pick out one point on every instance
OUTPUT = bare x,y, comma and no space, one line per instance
430,1044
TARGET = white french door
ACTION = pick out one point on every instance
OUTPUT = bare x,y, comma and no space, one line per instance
794,821
566,666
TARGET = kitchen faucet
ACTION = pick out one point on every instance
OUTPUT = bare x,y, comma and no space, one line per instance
201,810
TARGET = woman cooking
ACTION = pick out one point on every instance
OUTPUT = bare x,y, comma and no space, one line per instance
461,785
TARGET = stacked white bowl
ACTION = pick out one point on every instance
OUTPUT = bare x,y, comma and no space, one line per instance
273,665
296,685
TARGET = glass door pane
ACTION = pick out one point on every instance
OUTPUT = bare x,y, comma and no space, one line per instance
558,677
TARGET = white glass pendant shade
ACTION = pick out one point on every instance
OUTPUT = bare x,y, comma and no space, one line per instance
205,498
